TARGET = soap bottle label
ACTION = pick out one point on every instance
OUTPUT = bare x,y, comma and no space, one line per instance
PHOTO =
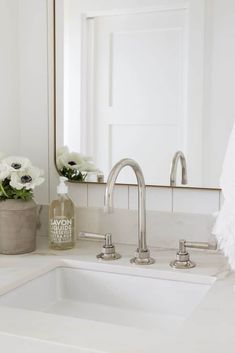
61,230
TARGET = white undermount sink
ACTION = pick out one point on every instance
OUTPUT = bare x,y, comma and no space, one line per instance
116,297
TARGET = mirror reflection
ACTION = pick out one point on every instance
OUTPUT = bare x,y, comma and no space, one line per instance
152,81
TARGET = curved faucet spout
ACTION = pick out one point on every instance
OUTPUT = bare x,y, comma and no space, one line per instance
142,253
178,155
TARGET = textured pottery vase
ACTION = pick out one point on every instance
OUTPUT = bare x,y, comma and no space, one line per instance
18,221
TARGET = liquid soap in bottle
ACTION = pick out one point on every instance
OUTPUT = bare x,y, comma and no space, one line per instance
61,220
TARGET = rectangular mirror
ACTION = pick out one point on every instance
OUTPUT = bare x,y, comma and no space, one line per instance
144,79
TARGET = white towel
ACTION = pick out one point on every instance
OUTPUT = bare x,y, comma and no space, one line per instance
224,228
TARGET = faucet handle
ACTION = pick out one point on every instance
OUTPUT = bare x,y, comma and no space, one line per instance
182,260
108,250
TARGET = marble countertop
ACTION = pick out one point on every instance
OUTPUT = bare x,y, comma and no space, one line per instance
210,328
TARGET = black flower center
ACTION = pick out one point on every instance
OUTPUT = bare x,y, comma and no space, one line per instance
26,179
16,165
72,163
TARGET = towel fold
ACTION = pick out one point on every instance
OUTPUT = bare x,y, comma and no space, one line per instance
224,228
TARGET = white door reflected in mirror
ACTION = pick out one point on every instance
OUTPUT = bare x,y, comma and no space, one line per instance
144,82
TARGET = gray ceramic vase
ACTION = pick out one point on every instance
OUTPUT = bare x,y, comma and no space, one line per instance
18,221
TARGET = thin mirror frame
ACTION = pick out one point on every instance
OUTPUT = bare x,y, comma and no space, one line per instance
55,124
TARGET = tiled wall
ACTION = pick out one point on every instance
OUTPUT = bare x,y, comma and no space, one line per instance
172,213
186,200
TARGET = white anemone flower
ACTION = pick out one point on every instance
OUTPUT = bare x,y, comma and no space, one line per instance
88,159
72,160
62,150
16,163
4,172
2,155
88,166
28,178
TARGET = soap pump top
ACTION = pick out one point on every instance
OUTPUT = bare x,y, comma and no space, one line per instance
62,188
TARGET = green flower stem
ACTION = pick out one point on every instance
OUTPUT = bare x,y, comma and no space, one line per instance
73,174
3,190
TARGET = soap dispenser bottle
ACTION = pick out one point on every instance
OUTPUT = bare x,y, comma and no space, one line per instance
61,220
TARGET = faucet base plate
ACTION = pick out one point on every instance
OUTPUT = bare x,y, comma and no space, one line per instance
182,264
108,257
139,261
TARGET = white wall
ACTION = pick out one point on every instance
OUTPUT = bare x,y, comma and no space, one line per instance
24,113
9,77
219,113
33,87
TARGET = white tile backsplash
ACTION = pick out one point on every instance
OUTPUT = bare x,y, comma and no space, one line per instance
78,193
121,196
96,196
157,198
165,199
195,201
42,223
172,213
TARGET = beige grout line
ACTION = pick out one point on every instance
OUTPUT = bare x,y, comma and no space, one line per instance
172,200
220,199
87,195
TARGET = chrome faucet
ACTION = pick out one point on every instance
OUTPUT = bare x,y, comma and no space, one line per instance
142,255
178,155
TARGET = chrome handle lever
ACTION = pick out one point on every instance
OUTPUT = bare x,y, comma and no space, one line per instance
89,235
200,245
108,250
182,260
